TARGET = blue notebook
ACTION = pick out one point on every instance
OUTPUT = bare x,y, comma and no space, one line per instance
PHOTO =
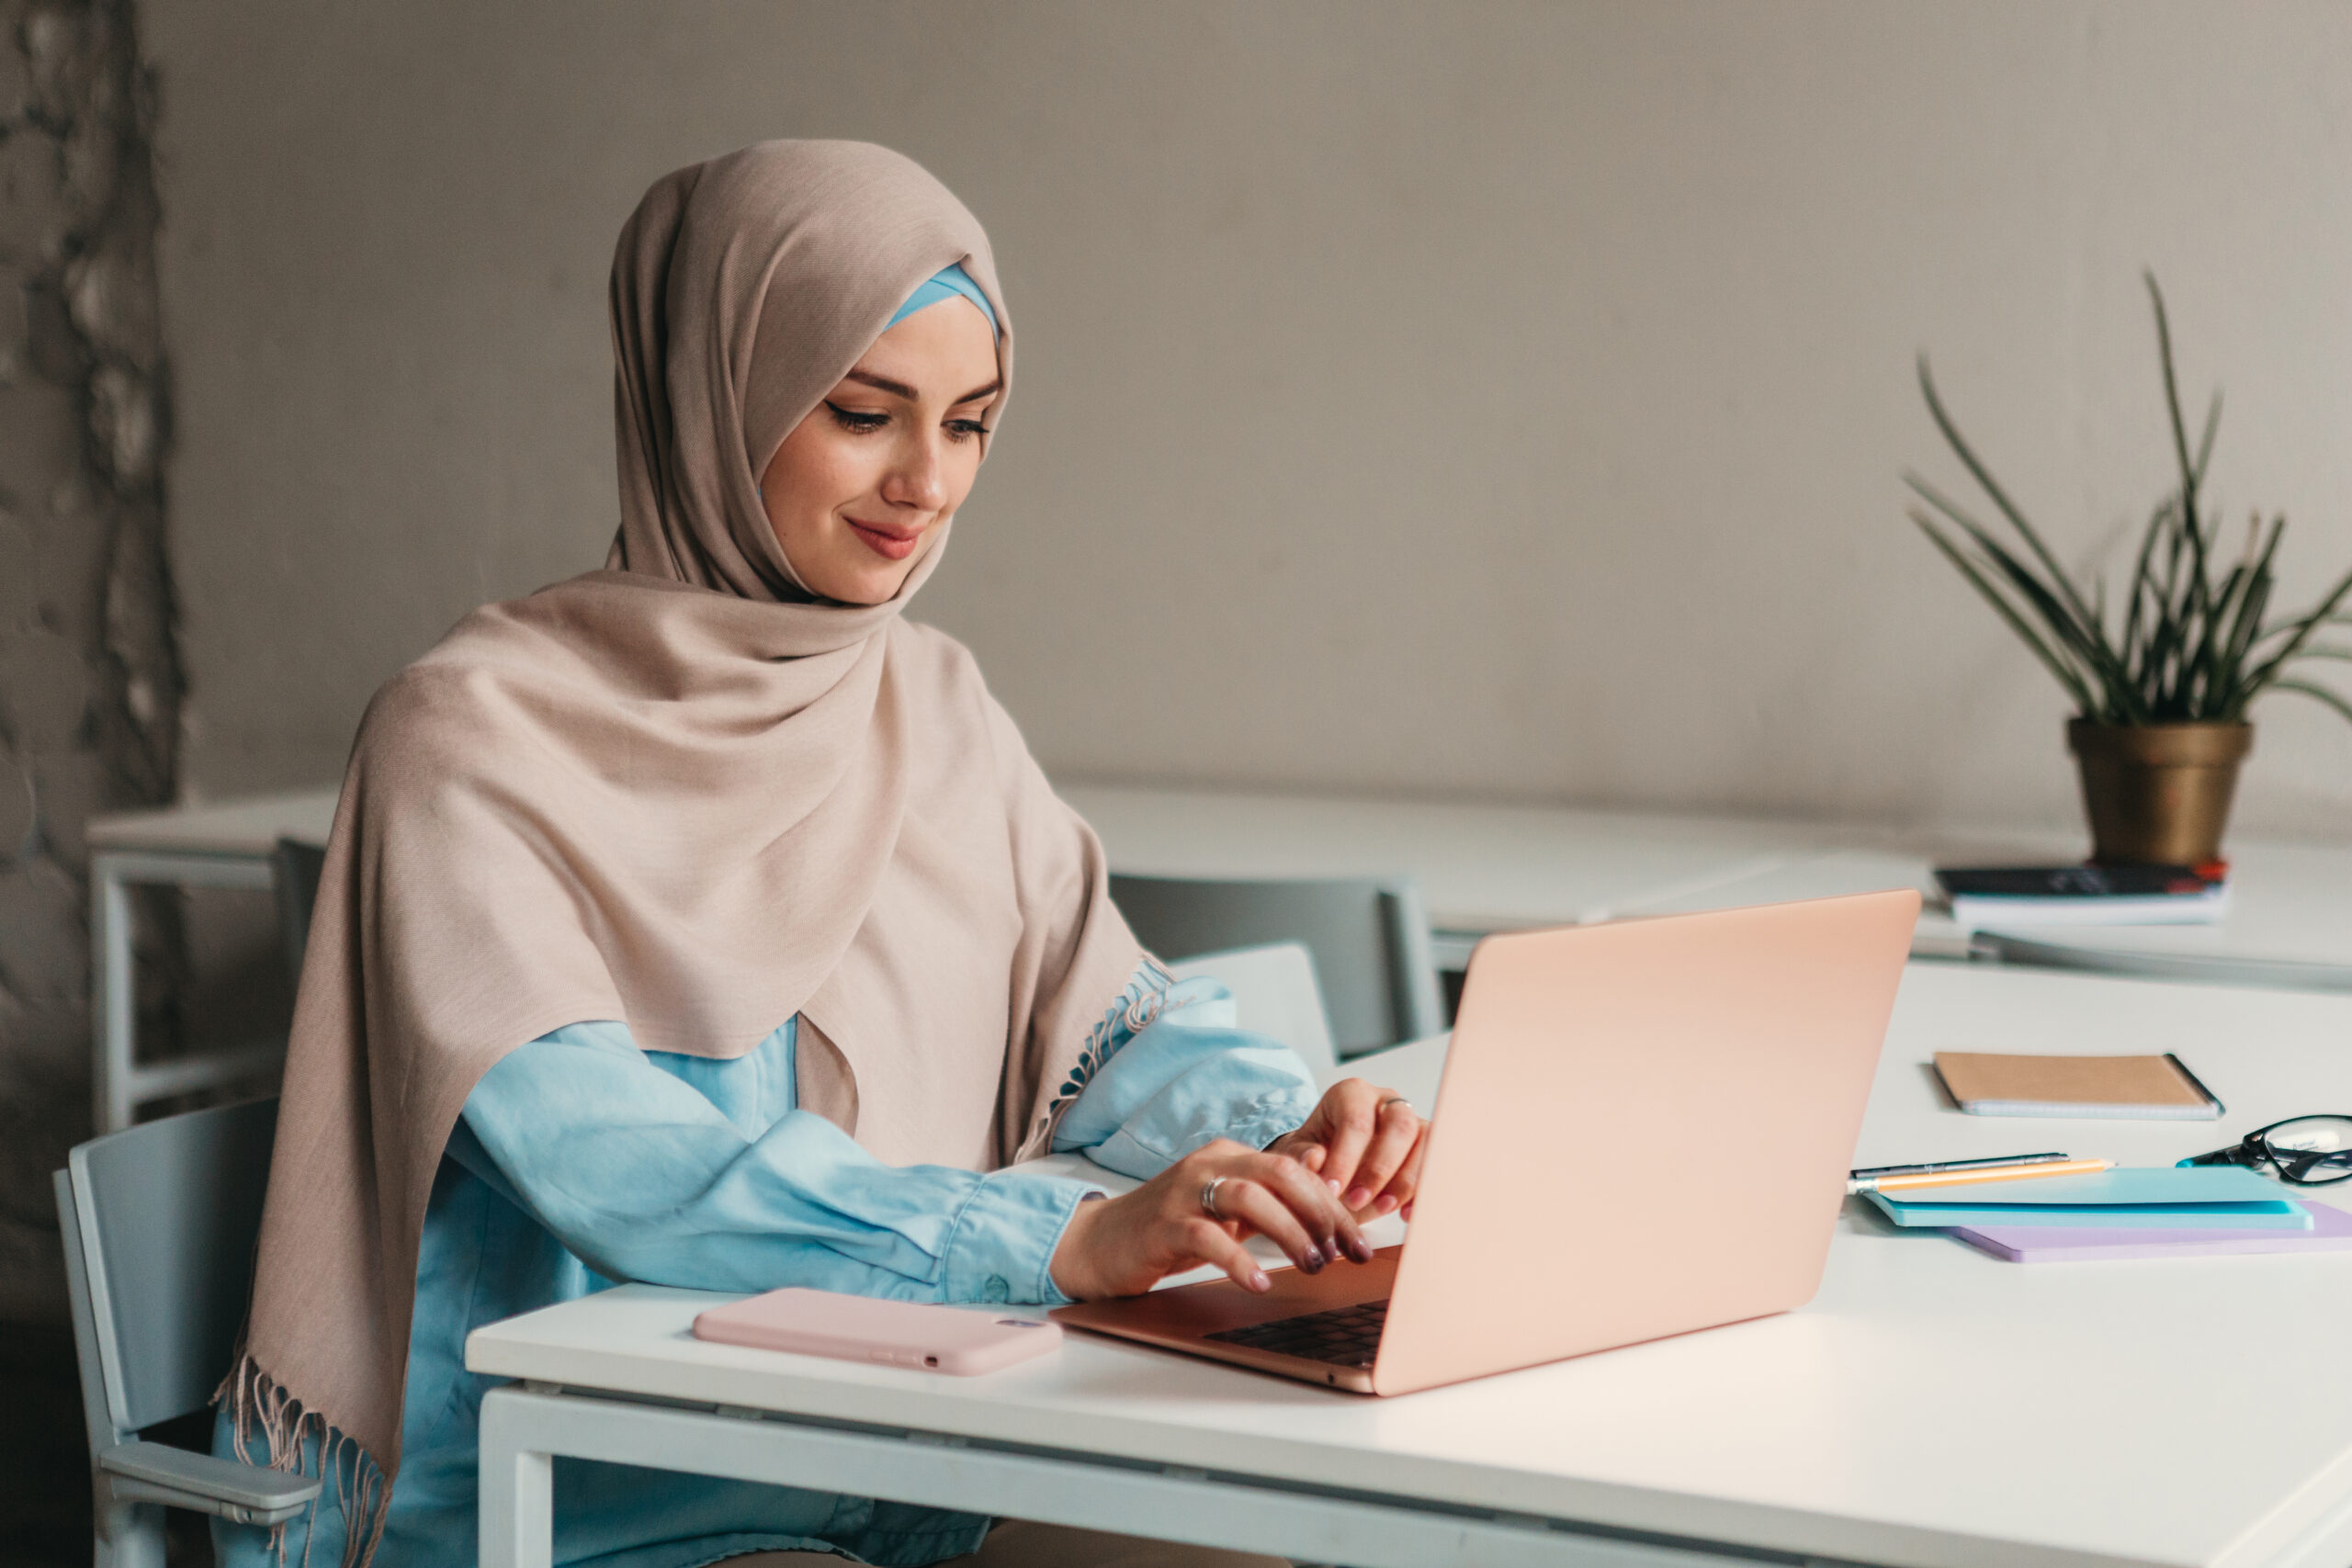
2206,1197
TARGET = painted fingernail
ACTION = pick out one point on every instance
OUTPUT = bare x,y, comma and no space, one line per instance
1314,1261
1258,1280
1386,1203
1408,1211
1360,1251
1357,1198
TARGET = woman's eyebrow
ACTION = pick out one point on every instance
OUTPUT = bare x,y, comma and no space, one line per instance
882,384
900,390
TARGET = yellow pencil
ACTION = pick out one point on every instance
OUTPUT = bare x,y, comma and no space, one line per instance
1991,1173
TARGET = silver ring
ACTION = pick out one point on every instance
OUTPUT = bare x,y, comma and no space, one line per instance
1395,1100
1208,1197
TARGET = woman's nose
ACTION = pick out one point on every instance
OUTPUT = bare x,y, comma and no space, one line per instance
917,479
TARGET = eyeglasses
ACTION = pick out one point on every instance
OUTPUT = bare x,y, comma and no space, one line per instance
2308,1151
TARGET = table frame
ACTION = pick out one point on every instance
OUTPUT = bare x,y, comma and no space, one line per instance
119,1083
524,1427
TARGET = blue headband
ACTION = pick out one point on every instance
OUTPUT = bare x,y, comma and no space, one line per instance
944,285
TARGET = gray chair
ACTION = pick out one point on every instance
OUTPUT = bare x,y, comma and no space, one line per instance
295,868
1274,994
1370,940
159,1223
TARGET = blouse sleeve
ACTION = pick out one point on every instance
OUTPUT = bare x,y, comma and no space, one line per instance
1176,1074
642,1178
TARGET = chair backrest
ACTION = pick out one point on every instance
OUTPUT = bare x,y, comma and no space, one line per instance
1370,940
295,868
160,1223
1274,993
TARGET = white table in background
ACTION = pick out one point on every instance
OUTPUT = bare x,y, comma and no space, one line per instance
1481,868
2289,923
1932,1407
226,845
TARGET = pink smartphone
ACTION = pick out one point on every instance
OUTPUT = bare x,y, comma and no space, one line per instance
866,1328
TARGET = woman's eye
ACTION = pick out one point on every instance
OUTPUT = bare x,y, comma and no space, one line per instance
857,420
964,429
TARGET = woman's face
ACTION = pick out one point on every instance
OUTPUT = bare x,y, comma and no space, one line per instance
860,489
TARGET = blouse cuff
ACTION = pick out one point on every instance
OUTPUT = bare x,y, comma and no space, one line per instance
1149,1144
1002,1246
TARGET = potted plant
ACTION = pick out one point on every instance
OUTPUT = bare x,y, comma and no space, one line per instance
2162,684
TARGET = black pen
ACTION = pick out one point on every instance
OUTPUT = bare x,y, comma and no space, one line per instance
1953,1165
1862,1181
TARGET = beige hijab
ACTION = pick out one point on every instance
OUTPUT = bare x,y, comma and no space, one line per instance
684,794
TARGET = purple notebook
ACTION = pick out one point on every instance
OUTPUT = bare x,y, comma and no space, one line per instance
2331,1231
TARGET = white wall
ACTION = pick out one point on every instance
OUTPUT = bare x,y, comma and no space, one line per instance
1498,399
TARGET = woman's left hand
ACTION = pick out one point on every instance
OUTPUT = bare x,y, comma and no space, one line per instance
1365,1142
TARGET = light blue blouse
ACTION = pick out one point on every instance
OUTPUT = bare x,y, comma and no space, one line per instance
582,1160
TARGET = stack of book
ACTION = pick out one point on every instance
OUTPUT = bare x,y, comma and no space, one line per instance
2029,897
2170,1212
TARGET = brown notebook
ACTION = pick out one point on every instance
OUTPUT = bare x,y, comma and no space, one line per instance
2124,1088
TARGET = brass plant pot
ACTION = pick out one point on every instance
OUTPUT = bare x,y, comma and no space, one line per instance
2158,794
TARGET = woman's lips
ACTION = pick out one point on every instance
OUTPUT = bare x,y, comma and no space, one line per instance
889,544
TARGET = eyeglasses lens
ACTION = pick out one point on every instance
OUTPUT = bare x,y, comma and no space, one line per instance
2312,1150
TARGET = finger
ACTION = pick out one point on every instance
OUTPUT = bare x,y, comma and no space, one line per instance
1398,1128
1405,1185
1244,1199
1308,1154
1330,1227
1204,1241
1349,1109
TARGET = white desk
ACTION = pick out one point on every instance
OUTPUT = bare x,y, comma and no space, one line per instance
1932,1407
1481,868
2289,923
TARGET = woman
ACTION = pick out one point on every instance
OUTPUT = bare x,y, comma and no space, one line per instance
702,921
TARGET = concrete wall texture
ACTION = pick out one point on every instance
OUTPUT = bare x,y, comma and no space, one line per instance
1503,400
90,685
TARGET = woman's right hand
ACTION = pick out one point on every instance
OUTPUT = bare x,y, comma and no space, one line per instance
1123,1247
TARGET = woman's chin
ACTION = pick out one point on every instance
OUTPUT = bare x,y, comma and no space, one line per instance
847,571
866,587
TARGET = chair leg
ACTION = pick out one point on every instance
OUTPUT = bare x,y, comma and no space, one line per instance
130,1535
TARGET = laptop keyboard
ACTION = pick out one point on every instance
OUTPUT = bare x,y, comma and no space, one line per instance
1345,1337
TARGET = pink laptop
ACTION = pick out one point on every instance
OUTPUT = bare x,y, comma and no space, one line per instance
1643,1129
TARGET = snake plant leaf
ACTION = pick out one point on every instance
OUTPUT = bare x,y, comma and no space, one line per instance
2248,621
2191,638
2057,667
2140,575
2061,619
1984,477
2205,442
2086,643
2305,627
2191,472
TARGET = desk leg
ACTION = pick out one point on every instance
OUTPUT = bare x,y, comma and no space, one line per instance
112,1011
518,1490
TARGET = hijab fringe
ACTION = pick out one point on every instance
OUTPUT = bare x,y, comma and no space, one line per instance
258,1403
